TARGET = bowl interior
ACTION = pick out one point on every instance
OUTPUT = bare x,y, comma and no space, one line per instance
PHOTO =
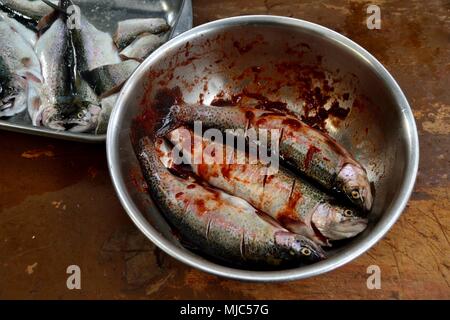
274,60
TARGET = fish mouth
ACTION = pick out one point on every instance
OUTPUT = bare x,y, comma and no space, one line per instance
13,99
298,243
12,105
346,230
343,230
79,126
57,125
86,120
6,103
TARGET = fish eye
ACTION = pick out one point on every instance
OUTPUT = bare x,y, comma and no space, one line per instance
306,252
355,194
348,213
80,115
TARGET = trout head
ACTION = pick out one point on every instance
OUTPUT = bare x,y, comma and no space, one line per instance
85,119
354,182
338,223
299,246
13,95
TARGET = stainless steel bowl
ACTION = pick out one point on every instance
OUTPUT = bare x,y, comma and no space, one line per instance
380,130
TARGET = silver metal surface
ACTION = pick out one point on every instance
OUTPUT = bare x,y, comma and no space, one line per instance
382,134
105,14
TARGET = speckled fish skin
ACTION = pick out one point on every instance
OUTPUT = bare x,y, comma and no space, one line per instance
28,12
87,106
56,56
142,47
19,71
108,79
293,202
223,226
310,151
129,30
32,9
68,103
107,104
29,35
94,48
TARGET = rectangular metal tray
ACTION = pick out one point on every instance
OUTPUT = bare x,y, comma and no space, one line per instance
105,14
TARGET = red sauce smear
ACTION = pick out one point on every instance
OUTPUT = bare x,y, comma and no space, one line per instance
179,195
294,124
244,49
309,155
200,204
234,100
226,171
289,215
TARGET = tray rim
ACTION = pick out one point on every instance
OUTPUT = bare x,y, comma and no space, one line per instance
183,22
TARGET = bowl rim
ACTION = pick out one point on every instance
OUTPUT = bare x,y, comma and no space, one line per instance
355,250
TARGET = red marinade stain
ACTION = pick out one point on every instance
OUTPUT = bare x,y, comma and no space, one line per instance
338,112
272,113
145,124
188,61
187,48
203,171
137,180
200,204
293,123
234,100
256,69
287,218
250,116
179,195
220,102
309,155
226,171
289,215
244,49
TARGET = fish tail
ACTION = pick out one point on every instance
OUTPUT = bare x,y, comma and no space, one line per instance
60,9
169,120
46,21
153,168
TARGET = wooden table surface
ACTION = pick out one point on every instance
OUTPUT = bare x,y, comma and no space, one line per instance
58,207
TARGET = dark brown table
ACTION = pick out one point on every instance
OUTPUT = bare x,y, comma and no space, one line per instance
58,207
